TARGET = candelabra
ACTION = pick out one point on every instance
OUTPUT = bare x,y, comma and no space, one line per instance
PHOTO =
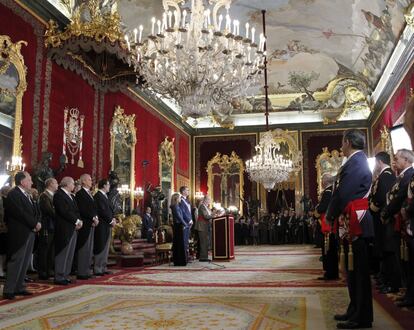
199,195
16,165
125,193
138,194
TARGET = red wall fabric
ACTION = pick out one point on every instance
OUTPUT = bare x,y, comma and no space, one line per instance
312,144
20,28
151,131
395,107
70,90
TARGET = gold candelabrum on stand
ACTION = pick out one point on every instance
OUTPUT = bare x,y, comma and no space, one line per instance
125,193
15,165
138,194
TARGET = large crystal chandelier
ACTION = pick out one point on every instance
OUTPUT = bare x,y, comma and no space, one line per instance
197,56
269,166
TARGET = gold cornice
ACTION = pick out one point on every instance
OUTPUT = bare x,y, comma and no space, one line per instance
31,12
228,134
409,15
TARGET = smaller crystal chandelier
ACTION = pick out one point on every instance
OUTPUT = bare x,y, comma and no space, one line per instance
269,166
198,57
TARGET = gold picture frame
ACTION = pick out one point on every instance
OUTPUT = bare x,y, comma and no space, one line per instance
328,162
123,141
11,58
226,167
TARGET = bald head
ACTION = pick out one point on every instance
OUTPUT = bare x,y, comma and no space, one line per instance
327,180
86,181
67,183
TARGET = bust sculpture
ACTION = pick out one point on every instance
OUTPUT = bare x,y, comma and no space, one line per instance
44,172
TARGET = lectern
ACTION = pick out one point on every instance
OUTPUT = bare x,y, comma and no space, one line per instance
223,238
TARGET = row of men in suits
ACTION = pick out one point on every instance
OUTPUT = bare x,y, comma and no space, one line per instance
65,223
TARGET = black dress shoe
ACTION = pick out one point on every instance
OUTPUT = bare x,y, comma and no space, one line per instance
83,277
43,277
99,274
9,296
28,279
61,282
353,325
405,303
204,260
341,317
23,293
108,272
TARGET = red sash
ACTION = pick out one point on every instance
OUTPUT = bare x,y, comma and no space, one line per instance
354,219
325,226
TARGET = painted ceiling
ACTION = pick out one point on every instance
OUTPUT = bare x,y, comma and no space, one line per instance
325,56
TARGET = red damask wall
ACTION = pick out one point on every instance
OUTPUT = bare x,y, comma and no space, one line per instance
51,88
395,106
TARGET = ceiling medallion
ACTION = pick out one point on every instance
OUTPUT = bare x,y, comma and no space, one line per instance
198,57
94,43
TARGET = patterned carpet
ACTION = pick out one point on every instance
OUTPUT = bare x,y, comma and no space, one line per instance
168,297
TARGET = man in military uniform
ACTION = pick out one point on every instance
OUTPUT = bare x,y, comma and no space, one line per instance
350,199
377,201
391,218
329,257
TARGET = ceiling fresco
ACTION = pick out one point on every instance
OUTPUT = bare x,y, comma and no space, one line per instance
325,56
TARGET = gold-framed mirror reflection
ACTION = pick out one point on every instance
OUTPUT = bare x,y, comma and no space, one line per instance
12,87
328,162
123,140
226,181
166,160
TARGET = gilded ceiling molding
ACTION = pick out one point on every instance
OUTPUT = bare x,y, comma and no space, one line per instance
409,15
101,132
46,104
95,133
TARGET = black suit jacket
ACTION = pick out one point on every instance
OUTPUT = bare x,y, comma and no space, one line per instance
381,186
398,195
87,209
21,217
324,202
67,213
48,211
355,180
105,215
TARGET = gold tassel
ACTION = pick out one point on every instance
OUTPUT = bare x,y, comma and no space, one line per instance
341,258
406,256
81,163
350,260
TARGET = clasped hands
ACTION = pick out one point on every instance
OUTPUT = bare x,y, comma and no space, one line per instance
37,228
95,221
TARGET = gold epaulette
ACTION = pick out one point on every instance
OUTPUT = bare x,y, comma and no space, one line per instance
374,208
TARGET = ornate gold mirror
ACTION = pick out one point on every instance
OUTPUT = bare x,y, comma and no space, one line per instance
166,160
12,87
327,163
225,180
123,140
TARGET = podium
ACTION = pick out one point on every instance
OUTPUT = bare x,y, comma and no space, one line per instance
222,238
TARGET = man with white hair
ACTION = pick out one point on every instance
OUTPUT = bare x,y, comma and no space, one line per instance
89,217
391,218
68,222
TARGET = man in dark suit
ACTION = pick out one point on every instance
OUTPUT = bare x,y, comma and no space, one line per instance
350,198
185,207
89,216
377,201
21,220
329,257
46,251
102,238
68,222
391,218
147,225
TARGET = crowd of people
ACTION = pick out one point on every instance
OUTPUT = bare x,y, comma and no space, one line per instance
63,230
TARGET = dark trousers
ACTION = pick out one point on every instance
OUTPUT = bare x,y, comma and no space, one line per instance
359,285
331,267
409,295
46,254
392,269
